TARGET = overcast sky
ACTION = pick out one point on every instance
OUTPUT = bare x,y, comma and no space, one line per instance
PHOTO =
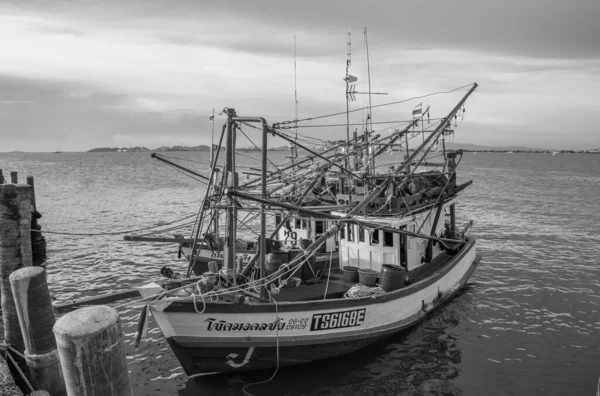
75,75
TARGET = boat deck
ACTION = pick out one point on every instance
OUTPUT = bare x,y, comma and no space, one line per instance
337,286
317,291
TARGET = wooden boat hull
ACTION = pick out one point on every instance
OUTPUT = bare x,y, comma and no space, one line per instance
222,337
202,360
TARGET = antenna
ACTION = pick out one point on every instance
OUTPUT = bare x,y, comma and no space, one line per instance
293,148
369,77
348,62
369,118
295,91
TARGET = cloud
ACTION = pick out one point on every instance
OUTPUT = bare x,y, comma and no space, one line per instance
135,69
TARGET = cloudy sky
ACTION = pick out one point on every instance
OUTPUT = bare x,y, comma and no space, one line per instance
75,75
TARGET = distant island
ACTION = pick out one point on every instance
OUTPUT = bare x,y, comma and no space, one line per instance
144,149
174,148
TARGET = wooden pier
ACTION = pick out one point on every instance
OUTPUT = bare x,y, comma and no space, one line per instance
80,353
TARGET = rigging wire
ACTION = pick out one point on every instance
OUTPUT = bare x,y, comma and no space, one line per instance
380,105
116,232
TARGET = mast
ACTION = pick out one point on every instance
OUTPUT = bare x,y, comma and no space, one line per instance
212,140
230,215
347,79
422,124
295,92
293,148
369,116
439,130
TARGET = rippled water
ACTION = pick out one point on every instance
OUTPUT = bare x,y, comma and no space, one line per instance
527,322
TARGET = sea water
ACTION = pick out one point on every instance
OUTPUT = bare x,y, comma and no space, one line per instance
527,322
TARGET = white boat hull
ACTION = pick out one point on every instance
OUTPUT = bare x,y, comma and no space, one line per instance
217,337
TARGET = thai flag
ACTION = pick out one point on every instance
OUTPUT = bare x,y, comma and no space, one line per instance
418,110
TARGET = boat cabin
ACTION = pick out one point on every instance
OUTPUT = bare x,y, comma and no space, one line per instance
306,228
371,248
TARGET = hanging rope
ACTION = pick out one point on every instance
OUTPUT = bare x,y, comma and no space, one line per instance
113,233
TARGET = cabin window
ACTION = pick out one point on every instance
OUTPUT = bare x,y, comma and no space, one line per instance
297,224
360,183
304,226
361,234
350,236
319,227
277,219
388,239
343,232
375,238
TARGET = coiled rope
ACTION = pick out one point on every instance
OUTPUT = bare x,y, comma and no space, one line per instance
359,291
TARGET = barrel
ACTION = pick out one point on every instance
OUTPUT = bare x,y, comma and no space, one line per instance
304,243
392,277
350,274
274,260
367,277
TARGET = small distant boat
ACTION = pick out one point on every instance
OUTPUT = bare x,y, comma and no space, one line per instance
554,152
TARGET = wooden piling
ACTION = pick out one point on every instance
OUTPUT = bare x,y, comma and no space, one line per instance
38,242
31,183
14,178
36,317
7,383
1,177
15,253
92,354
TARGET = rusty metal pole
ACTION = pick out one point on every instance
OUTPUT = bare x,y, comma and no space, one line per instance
229,250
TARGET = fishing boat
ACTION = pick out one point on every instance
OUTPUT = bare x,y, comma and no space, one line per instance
352,254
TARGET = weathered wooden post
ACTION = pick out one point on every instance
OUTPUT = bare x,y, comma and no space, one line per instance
13,177
7,383
38,242
92,355
36,316
1,177
15,253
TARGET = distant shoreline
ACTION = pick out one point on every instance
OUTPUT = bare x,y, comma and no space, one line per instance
168,149
285,148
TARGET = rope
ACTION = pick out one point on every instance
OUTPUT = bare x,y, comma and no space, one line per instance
255,146
277,352
398,122
185,159
359,291
372,107
113,233
150,300
202,297
328,275
12,360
